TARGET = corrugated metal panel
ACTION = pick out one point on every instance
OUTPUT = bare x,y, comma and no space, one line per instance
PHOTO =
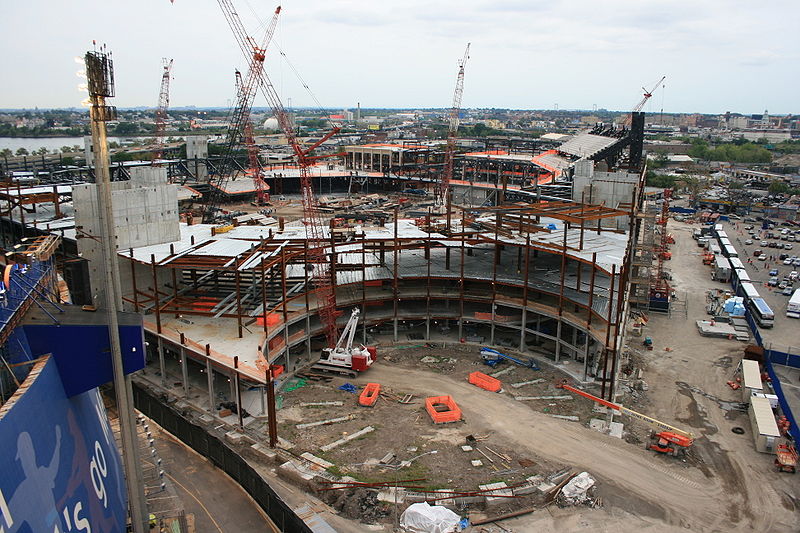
224,248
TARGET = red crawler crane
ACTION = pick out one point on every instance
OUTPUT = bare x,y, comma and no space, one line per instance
317,257
246,93
255,170
161,111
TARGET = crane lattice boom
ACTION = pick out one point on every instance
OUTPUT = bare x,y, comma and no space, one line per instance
452,132
161,110
255,55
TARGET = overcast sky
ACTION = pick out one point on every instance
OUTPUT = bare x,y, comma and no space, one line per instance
718,55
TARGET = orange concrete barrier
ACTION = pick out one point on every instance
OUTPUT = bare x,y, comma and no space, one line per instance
369,395
442,409
479,379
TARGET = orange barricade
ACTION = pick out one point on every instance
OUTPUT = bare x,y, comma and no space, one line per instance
370,394
479,379
442,409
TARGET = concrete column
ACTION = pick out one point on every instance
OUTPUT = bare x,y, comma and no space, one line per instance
161,366
491,334
308,337
558,341
232,381
586,358
522,330
185,372
575,342
210,377
263,405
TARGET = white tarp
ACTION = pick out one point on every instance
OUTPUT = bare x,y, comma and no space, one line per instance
424,518
575,490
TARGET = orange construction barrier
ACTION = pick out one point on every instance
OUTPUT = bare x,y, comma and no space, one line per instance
479,379
442,409
369,395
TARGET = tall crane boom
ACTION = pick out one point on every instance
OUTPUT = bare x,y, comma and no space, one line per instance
452,131
241,114
316,257
161,110
645,97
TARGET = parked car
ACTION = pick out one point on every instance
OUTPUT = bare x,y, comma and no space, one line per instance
764,243
782,285
796,262
749,241
757,252
793,275
787,246
773,281
788,261
762,257
773,272
788,291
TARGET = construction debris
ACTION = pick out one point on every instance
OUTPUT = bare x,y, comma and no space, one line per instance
325,422
347,439
523,383
502,372
524,398
322,404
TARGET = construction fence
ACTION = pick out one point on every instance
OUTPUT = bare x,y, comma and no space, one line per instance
221,456
778,357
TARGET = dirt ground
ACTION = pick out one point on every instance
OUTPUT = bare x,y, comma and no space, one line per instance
446,465
722,485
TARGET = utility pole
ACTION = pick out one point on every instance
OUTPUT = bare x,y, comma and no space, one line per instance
100,75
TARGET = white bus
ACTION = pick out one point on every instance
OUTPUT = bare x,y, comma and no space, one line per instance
761,312
793,307
749,291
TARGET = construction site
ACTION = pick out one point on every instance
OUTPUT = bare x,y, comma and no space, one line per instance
417,336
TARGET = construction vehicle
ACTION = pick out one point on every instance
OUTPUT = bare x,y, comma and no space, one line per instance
492,358
344,358
786,458
668,442
665,439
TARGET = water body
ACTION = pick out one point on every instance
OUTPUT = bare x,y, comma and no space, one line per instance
55,143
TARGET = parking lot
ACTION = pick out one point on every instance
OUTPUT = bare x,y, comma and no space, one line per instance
785,331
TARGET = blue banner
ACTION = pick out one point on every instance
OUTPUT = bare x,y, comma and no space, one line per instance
60,470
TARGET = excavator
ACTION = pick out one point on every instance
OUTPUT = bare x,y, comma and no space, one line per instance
664,438
344,358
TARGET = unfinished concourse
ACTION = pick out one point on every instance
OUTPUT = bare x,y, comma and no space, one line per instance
542,280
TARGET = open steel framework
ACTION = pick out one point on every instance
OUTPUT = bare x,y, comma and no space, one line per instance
490,269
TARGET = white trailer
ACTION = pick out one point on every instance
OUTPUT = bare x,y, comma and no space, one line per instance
793,307
765,430
751,379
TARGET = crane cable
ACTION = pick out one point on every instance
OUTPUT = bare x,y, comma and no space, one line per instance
319,107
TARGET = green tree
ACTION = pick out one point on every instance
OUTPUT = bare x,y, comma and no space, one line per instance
41,151
22,151
126,128
778,187
6,152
